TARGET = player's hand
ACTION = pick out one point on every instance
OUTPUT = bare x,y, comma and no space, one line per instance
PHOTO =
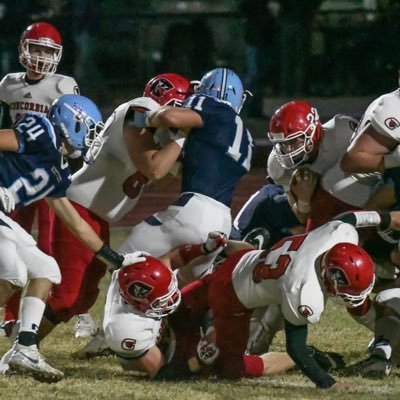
7,200
303,183
207,351
327,360
216,240
135,257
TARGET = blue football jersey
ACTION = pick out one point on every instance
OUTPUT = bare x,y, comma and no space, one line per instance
38,169
268,208
217,154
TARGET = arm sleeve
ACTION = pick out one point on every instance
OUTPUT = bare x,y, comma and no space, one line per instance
361,219
296,336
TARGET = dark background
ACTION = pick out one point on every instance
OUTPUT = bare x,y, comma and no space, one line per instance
281,49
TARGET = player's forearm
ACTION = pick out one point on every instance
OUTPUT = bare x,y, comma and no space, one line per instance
173,117
362,162
160,162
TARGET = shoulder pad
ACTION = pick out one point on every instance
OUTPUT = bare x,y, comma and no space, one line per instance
145,102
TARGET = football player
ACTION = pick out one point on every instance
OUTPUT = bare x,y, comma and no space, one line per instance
33,167
40,51
105,191
139,298
299,272
217,151
299,141
375,146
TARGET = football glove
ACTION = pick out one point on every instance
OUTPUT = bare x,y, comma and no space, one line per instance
207,352
328,361
135,257
215,241
7,200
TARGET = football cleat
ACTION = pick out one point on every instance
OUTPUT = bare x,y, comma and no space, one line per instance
4,366
373,367
97,347
85,326
27,360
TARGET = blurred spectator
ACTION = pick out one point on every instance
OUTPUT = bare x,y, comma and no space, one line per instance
296,18
85,20
261,50
187,49
15,15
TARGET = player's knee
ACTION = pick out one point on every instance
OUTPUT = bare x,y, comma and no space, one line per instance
16,276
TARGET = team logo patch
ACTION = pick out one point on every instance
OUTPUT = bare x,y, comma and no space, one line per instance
139,290
160,87
128,344
305,311
392,123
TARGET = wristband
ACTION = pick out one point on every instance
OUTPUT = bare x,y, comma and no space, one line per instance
303,206
109,256
190,252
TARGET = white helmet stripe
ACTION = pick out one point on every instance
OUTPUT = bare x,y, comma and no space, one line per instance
223,83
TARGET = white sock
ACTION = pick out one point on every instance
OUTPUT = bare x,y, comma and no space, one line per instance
31,314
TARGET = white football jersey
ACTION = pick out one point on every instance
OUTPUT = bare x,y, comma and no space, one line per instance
128,332
288,274
336,138
112,185
23,97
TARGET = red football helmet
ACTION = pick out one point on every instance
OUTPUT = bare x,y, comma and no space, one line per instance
168,89
348,274
40,48
295,132
150,286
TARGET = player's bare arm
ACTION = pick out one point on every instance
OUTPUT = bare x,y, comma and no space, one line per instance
75,223
8,140
174,117
150,160
367,151
150,363
182,255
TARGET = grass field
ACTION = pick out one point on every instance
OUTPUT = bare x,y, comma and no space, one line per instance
103,379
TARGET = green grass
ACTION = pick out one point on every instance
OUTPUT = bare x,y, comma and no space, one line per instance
103,379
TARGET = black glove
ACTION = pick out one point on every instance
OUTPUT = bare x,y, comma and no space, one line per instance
329,361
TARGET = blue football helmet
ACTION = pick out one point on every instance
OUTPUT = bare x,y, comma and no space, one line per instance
225,85
77,119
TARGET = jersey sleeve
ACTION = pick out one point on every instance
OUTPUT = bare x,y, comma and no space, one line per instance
35,133
304,306
67,85
385,117
130,336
